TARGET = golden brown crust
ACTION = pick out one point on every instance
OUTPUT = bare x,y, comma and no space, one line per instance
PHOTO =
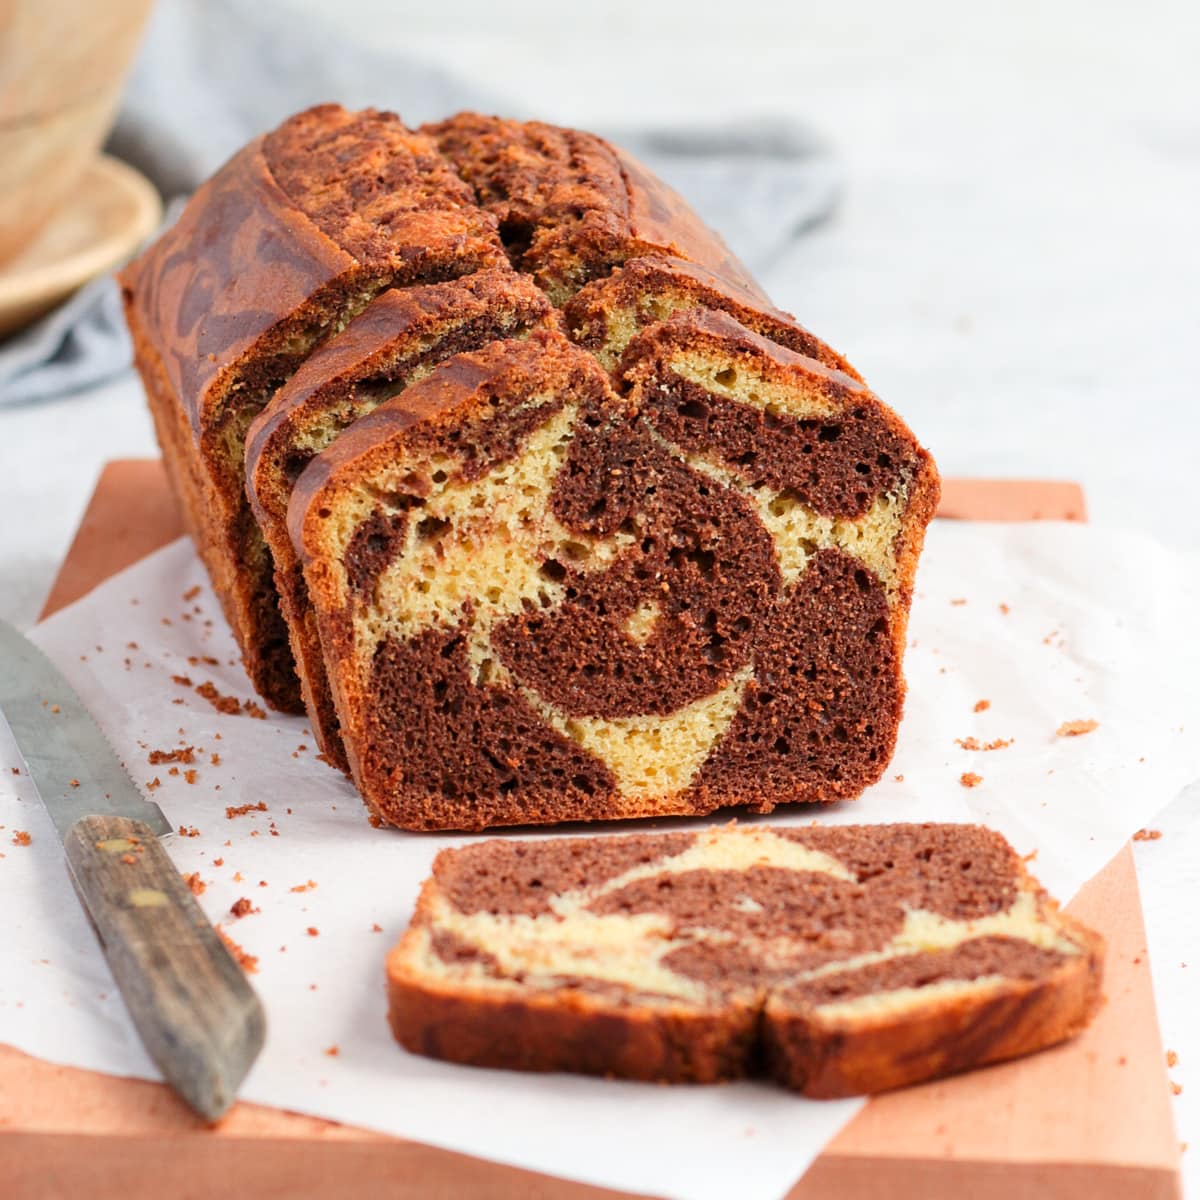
572,206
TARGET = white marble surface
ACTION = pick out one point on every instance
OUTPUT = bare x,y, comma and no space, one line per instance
1016,266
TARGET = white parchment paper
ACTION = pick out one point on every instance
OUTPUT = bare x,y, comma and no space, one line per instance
1046,623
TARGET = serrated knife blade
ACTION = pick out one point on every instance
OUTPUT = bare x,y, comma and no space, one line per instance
197,1016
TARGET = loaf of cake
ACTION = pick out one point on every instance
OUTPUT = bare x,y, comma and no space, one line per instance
541,598
506,469
837,960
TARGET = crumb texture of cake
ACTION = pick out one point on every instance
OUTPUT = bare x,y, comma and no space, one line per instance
543,600
397,339
836,960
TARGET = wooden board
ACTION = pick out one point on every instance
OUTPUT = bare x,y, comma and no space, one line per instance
1090,1119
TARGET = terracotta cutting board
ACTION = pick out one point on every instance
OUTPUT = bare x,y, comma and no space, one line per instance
1087,1120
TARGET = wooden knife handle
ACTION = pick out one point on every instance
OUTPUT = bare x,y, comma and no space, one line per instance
197,1016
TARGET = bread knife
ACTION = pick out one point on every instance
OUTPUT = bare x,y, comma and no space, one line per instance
200,1021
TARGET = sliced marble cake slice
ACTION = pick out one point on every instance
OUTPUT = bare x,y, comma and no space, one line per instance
606,315
540,601
399,338
838,960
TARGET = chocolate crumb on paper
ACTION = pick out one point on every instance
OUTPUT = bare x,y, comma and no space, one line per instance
196,885
240,810
185,754
242,907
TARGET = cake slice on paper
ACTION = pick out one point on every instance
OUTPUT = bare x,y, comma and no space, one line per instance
836,960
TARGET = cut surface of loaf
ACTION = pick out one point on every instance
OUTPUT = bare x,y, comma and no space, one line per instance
837,960
296,234
398,339
542,600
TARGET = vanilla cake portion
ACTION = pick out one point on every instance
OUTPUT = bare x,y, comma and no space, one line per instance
540,600
837,960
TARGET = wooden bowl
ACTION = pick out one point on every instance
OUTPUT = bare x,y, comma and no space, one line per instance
111,212
62,67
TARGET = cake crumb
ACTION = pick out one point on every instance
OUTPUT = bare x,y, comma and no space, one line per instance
188,831
192,592
1172,1058
969,779
215,760
185,754
333,1051
230,705
190,775
240,810
248,962
242,908
182,680
1004,610
982,705
196,885
154,783
958,603
1147,835
376,927
74,783
972,743
899,778
1176,1088
21,837
313,931
218,862
1030,857
1076,728
304,887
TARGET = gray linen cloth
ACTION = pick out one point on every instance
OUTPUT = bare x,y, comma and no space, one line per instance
212,74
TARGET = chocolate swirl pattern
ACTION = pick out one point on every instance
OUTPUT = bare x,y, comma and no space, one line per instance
545,547
841,960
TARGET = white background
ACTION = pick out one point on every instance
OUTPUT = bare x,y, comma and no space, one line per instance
1015,267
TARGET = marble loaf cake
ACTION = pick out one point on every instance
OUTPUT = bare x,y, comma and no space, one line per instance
836,960
508,473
